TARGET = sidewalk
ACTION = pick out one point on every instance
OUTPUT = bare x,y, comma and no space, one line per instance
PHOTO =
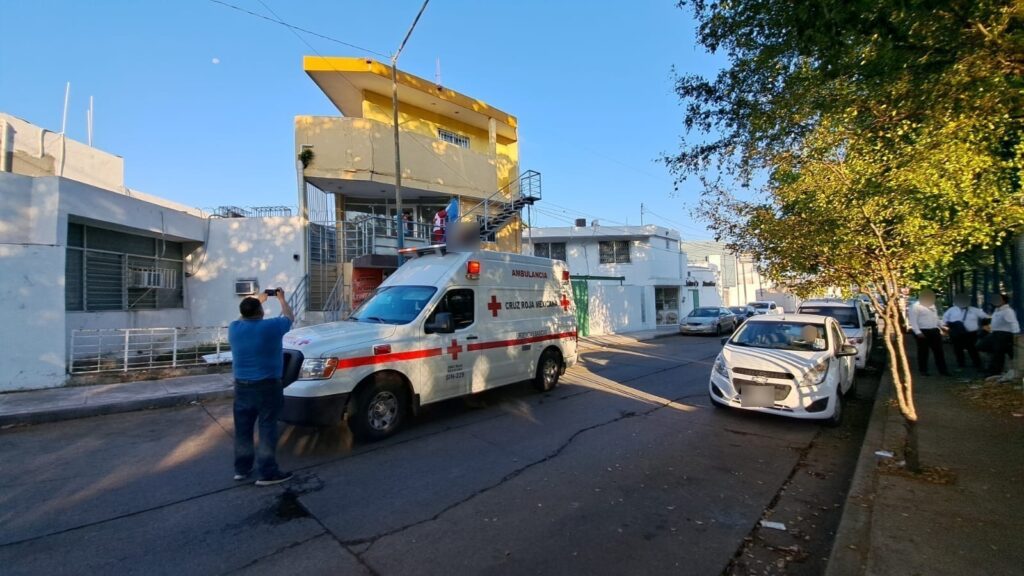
613,340
972,524
70,402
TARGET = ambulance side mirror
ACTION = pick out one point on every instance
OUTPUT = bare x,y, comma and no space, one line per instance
442,324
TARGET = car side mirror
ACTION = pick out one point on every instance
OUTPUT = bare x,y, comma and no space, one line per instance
847,350
442,324
749,314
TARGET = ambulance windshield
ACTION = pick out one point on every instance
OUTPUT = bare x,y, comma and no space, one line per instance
394,305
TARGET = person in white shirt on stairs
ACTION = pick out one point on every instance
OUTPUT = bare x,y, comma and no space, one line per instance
925,323
964,322
1004,328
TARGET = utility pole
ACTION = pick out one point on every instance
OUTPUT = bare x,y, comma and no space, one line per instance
399,223
641,213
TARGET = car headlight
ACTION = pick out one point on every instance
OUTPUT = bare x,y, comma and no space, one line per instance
816,375
318,368
721,368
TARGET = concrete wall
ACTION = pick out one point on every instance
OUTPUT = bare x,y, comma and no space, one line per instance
616,309
32,288
363,150
35,151
241,248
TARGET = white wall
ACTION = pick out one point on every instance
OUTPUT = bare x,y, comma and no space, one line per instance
36,151
31,285
261,248
615,309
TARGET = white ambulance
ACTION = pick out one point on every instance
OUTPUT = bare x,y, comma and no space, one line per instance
445,324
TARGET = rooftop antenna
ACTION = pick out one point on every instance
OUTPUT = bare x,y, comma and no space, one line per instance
88,120
437,72
64,120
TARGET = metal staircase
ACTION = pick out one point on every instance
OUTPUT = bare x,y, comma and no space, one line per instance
499,209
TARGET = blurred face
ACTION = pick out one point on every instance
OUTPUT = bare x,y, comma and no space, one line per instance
961,301
809,333
927,297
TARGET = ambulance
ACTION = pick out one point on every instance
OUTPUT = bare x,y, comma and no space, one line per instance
445,324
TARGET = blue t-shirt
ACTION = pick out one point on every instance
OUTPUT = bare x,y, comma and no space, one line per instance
256,351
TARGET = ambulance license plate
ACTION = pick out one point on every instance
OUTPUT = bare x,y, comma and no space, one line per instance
753,396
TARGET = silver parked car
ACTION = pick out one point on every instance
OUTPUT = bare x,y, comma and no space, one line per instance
708,320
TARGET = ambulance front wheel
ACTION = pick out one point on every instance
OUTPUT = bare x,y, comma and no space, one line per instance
548,370
380,409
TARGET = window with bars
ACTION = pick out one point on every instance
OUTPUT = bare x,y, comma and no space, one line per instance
553,250
614,252
453,138
106,270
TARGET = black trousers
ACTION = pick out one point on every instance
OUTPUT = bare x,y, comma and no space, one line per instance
930,340
966,344
1002,346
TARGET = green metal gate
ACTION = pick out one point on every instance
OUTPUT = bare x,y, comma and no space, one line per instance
581,295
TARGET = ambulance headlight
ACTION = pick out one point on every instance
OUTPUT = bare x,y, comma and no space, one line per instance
318,368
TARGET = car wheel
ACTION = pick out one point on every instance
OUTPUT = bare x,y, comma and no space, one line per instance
837,415
548,370
380,409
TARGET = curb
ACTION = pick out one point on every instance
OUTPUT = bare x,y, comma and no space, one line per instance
852,544
587,339
76,412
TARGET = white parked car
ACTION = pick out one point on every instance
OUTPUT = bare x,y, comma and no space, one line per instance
852,316
765,307
795,365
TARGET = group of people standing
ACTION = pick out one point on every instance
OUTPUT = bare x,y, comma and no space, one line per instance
970,329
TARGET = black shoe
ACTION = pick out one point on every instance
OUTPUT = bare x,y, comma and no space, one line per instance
275,479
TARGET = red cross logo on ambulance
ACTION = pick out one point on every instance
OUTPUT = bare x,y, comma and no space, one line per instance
494,306
565,302
454,349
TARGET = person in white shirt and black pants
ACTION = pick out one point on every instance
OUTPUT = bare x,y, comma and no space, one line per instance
963,322
925,323
1004,326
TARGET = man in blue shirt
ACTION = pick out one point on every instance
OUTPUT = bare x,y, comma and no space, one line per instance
258,364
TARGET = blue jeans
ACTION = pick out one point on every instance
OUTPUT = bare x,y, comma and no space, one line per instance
257,401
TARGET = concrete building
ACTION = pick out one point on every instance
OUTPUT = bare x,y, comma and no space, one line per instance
452,146
625,278
738,281
84,258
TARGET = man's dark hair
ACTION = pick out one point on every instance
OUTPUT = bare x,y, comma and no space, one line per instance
1004,298
250,308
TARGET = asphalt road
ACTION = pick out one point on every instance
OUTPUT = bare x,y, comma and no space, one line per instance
624,468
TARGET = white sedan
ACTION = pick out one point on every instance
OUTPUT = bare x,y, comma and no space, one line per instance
795,365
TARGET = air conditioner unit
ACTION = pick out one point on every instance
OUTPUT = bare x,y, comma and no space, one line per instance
165,278
246,287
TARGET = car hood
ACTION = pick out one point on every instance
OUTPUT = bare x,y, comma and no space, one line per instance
790,361
699,319
333,337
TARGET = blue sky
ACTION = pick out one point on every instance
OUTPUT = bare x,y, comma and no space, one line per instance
591,84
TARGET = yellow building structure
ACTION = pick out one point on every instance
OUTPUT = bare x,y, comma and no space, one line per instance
452,146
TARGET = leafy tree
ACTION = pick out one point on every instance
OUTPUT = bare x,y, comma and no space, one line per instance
879,140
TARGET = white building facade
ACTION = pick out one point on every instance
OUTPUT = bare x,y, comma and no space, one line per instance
625,278
82,255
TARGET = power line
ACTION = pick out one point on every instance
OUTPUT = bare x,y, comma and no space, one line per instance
277,20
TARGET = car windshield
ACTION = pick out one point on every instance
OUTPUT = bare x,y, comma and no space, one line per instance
738,309
760,305
846,316
394,305
796,336
704,312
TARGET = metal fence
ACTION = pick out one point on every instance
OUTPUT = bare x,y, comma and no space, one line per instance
121,350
